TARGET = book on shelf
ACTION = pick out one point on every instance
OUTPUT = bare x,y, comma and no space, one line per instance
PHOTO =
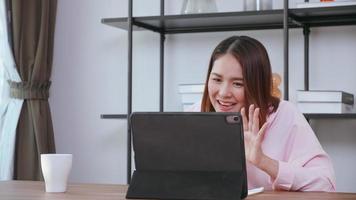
326,4
325,107
191,88
325,96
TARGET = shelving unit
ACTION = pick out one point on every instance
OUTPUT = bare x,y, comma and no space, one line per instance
245,20
231,21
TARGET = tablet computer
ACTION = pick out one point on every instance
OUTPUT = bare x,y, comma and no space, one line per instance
182,155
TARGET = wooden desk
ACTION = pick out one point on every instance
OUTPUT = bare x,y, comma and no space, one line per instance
33,190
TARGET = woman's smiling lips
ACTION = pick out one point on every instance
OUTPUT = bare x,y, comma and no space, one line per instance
225,105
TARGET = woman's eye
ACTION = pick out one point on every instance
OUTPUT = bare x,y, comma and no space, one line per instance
216,79
238,84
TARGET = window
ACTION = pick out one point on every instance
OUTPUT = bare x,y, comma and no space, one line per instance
3,38
9,108
2,83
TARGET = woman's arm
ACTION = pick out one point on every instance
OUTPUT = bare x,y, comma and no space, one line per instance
315,175
306,166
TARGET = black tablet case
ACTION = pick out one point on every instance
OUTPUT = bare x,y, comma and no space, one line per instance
188,156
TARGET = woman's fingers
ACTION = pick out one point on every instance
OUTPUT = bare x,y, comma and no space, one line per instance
256,121
244,119
250,116
252,123
262,131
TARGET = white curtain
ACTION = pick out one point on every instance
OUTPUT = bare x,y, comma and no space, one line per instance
9,108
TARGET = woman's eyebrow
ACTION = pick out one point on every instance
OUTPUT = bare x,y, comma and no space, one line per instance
234,78
216,74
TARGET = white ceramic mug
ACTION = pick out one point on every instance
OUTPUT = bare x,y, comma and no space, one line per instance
55,170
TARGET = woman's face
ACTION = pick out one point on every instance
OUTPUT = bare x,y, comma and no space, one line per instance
226,85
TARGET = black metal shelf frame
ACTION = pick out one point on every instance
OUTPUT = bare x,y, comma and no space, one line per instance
229,21
307,115
330,116
244,20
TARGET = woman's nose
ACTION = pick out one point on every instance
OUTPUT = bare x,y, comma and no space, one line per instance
225,91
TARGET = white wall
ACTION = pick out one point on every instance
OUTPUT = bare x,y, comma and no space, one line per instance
89,79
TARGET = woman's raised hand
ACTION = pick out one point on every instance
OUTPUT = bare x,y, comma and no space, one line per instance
253,135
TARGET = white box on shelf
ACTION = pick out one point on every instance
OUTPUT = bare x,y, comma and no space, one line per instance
191,98
190,95
326,4
325,96
320,107
191,88
192,107
187,107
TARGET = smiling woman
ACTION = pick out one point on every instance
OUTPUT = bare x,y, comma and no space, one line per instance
226,91
239,79
245,62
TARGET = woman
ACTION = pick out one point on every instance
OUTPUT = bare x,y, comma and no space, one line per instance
282,150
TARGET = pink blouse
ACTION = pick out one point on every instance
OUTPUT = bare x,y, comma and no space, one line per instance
303,164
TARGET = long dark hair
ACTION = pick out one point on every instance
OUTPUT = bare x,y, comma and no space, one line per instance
256,70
